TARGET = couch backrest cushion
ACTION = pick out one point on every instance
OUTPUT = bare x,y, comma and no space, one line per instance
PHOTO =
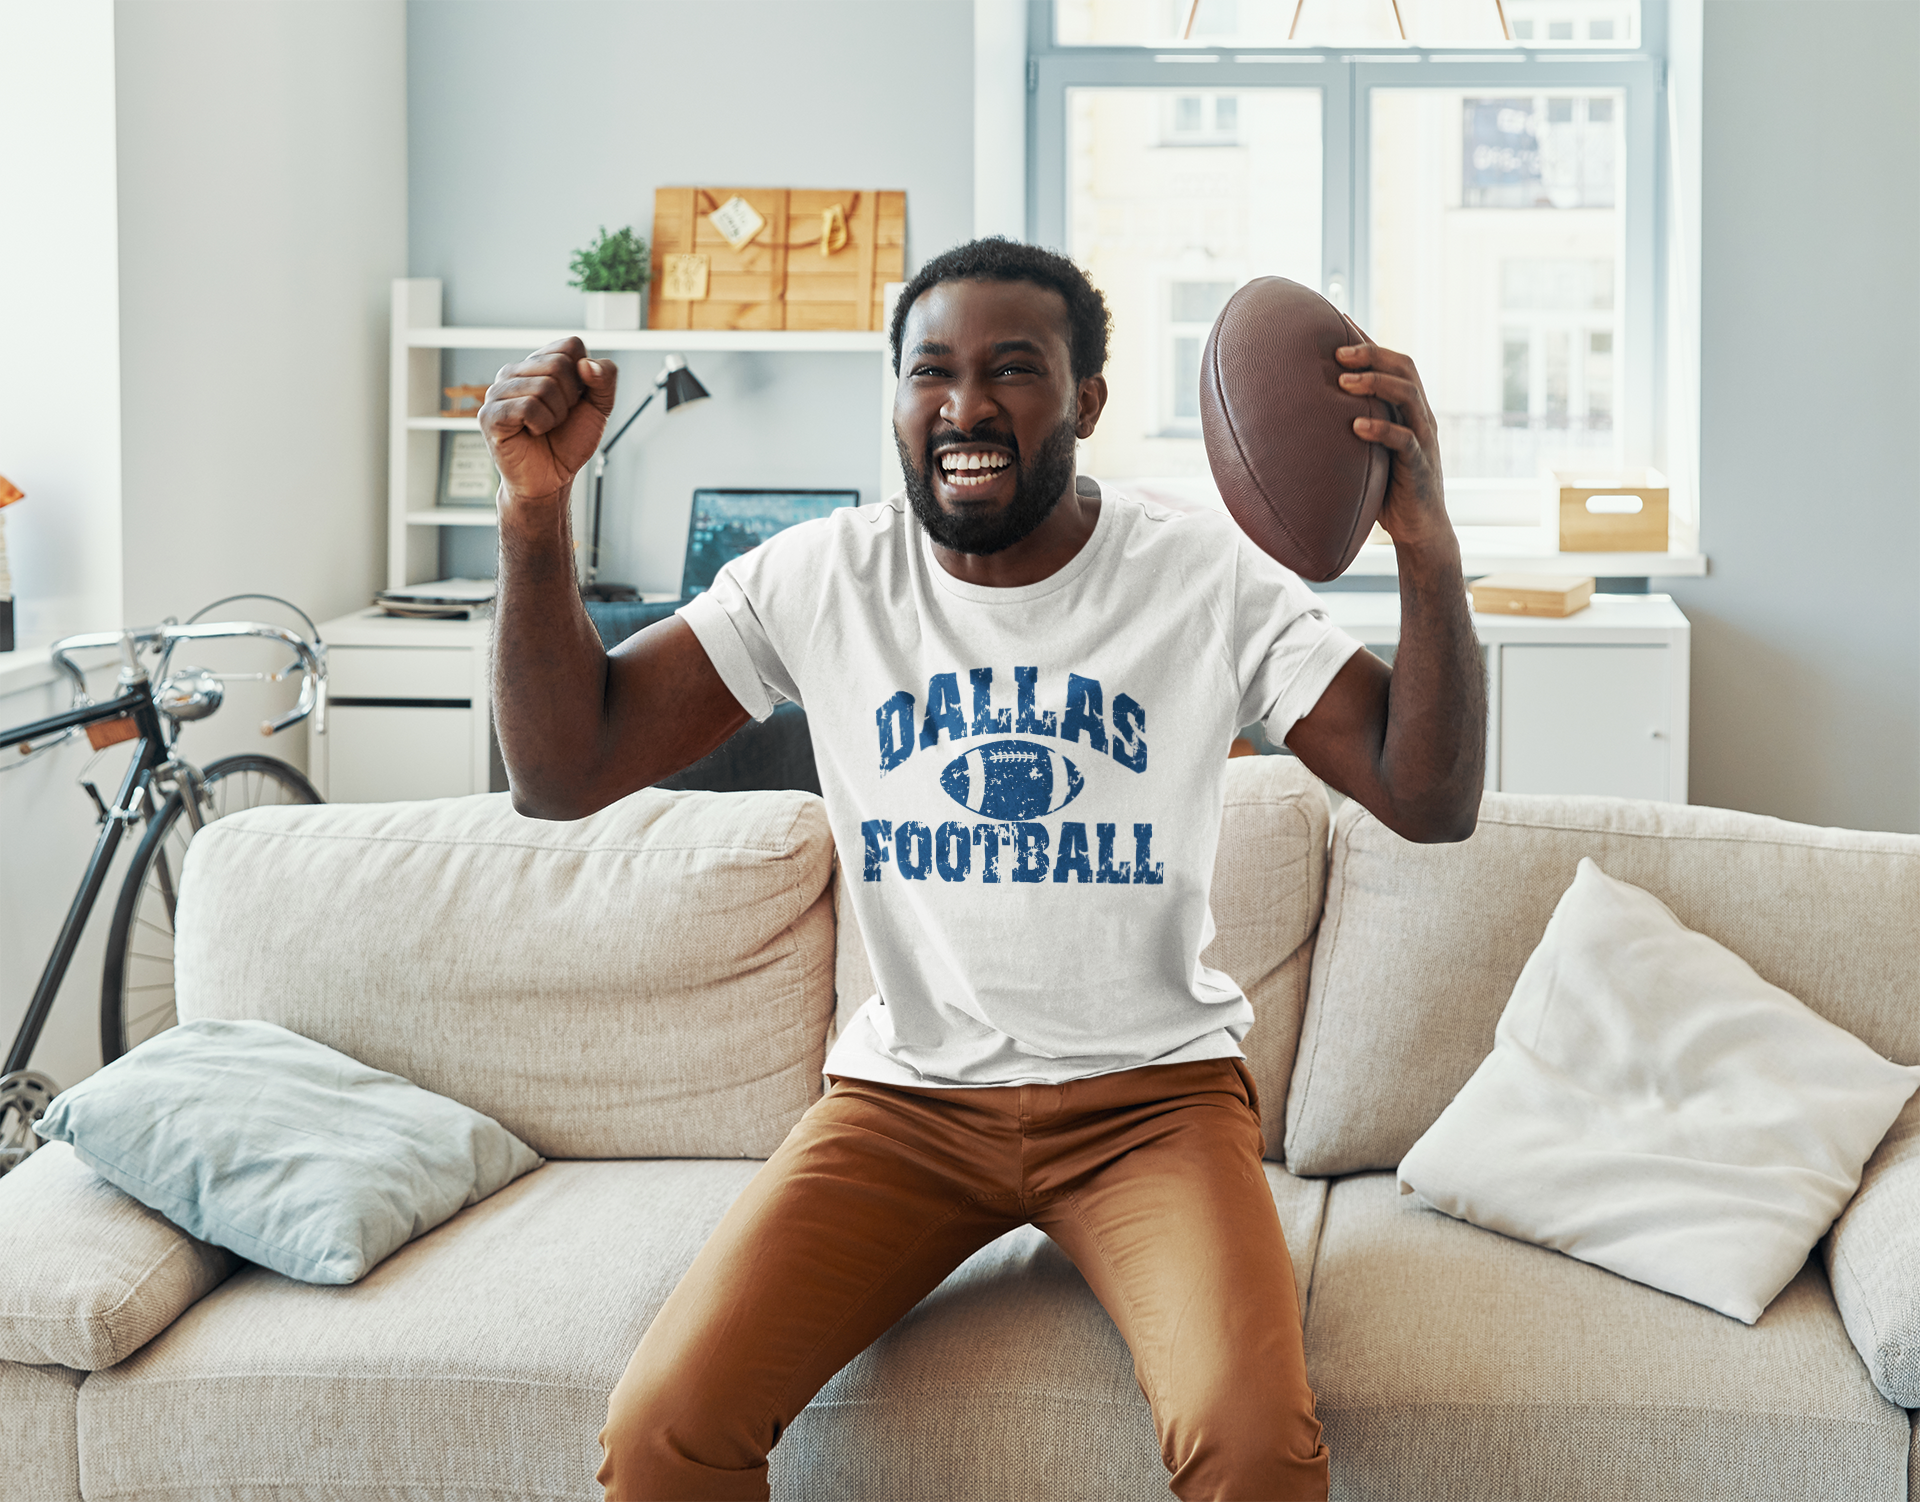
1420,945
653,981
1268,877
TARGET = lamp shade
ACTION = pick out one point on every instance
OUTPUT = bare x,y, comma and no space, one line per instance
682,385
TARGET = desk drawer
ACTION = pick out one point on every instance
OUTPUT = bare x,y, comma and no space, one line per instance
417,673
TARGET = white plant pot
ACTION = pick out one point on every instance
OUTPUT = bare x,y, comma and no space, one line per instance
613,310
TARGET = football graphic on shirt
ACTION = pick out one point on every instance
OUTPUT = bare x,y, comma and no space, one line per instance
1012,780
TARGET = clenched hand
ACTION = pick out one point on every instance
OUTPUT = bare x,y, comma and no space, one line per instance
543,418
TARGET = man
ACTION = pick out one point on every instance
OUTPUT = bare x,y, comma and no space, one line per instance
1021,687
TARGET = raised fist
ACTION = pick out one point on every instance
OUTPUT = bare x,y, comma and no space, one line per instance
544,416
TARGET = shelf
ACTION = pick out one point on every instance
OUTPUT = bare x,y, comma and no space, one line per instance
667,341
452,516
443,424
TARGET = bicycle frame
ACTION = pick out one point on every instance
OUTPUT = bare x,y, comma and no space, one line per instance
141,791
149,753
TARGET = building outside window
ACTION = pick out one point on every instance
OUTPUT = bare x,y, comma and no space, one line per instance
1485,203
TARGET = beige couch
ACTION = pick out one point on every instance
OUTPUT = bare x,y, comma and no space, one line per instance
646,997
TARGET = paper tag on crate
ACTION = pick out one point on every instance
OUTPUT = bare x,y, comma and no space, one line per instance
737,221
685,278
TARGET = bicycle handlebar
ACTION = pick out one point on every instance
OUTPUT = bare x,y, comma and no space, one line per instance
312,675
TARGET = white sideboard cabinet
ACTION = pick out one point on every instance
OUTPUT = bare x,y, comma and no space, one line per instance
408,710
1595,703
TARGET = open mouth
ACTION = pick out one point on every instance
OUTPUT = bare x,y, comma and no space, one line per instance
974,469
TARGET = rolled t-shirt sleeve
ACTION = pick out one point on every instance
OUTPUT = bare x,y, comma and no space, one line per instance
1286,649
737,620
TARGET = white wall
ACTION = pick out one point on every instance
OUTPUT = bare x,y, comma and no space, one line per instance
263,215
610,101
59,314
205,203
1806,634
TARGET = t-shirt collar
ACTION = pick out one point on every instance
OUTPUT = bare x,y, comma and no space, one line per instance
1060,578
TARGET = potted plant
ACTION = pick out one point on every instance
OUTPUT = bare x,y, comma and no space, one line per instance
612,272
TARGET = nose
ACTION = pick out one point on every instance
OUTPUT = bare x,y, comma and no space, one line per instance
969,403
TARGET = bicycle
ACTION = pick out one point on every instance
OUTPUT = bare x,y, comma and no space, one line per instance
175,800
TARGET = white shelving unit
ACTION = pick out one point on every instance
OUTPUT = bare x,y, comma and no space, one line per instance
415,424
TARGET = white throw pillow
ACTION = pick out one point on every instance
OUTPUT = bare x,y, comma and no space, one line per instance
1654,1107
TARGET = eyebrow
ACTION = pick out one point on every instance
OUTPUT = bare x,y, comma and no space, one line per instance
1005,346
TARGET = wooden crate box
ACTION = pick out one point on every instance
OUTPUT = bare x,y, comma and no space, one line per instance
780,279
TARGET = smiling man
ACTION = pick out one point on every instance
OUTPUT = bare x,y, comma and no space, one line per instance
1021,686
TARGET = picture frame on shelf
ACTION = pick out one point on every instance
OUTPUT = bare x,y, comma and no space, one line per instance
467,475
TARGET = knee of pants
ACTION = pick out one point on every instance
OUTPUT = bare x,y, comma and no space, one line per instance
663,1420
1239,1424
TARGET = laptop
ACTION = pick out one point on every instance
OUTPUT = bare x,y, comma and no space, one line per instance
727,523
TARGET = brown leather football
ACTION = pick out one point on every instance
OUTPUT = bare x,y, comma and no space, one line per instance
1279,429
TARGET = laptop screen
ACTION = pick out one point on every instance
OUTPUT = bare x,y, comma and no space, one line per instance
727,523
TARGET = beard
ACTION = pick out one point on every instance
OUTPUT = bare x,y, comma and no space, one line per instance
1039,484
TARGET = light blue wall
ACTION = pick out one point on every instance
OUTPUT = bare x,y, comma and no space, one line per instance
1806,656
531,124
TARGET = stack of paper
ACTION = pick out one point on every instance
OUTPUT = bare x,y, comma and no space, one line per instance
441,599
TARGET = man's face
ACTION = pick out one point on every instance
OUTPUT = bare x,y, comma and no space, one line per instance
987,411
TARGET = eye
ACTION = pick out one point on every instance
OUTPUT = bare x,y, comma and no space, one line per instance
927,370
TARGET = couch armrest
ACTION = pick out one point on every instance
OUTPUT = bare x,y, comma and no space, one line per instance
1873,1261
92,1274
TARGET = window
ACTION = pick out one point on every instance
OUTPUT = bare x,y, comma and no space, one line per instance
1489,212
1167,233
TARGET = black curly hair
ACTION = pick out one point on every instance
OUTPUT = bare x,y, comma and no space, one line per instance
998,259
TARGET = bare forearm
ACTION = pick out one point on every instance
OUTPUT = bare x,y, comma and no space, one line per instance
1433,751
549,668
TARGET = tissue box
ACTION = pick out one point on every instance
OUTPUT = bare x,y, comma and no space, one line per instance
1552,595
1624,511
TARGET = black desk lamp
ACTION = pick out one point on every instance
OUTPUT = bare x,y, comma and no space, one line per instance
681,388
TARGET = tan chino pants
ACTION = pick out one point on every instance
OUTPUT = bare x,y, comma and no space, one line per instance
1150,1180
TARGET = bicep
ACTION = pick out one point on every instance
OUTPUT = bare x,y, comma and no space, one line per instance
1342,738
666,704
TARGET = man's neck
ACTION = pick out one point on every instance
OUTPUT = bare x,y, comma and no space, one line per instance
1039,555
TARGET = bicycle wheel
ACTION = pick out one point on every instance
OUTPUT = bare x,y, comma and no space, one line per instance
136,993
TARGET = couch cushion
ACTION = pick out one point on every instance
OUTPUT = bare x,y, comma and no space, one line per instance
1421,945
477,1361
1453,1363
1873,1259
42,1455
1008,1380
1269,872
91,1273
473,1362
652,981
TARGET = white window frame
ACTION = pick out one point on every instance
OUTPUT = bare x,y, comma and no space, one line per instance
1346,78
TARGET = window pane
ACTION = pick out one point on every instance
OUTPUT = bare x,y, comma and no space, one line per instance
1167,233
1344,23
1494,261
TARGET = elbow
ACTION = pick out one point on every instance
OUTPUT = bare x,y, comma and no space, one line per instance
550,804
1437,824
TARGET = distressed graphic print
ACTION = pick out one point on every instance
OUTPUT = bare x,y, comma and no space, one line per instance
1011,783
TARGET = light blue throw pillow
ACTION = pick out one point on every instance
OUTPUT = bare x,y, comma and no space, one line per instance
281,1149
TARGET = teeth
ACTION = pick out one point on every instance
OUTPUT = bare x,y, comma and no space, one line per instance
972,469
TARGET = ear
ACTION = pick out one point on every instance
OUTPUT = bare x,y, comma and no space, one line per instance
1089,402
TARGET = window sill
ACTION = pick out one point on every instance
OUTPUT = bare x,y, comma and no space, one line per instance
1488,550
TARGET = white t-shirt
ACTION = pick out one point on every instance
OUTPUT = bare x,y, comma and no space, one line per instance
1025,785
